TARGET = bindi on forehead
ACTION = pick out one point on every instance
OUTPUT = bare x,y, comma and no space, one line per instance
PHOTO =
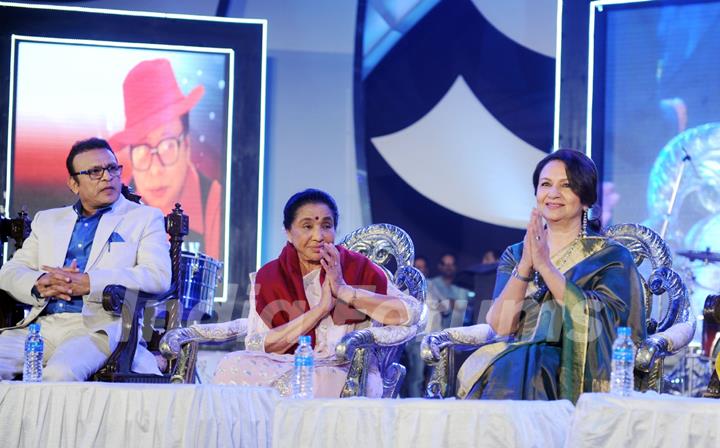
316,218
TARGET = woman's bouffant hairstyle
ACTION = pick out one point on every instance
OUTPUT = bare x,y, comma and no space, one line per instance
309,196
582,175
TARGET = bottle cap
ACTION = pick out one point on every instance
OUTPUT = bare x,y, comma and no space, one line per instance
34,327
305,340
623,331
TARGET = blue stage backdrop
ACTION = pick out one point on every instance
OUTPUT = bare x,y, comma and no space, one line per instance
452,114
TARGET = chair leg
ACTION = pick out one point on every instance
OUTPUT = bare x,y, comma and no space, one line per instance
438,386
656,376
185,367
356,383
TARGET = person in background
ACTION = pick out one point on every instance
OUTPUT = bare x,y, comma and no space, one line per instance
452,299
484,280
489,257
415,377
422,265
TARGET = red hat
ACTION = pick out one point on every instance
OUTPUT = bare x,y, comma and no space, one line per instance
152,98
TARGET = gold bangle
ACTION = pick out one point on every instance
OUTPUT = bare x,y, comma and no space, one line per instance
517,275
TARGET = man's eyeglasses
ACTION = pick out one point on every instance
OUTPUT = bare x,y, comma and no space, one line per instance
167,151
98,172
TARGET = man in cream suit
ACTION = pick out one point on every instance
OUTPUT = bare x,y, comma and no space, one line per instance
69,258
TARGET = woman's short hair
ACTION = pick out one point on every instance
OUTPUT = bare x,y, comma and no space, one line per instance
581,173
309,196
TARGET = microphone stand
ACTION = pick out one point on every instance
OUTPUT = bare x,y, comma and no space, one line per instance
676,187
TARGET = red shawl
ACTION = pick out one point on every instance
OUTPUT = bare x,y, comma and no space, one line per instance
280,295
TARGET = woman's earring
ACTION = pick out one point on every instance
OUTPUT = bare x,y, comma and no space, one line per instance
584,223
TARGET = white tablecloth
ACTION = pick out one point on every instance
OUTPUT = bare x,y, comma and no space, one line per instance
646,420
134,415
362,422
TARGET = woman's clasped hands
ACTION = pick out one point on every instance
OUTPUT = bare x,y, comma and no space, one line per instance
330,261
536,251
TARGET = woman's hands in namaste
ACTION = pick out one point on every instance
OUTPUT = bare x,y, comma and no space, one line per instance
330,261
536,252
327,300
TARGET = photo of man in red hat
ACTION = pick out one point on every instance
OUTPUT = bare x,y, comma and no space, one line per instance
156,140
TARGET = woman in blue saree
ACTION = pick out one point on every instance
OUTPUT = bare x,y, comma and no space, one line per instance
559,296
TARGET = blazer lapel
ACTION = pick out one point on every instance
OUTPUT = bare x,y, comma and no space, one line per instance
64,227
107,225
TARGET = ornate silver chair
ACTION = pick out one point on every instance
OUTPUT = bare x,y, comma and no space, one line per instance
387,246
674,331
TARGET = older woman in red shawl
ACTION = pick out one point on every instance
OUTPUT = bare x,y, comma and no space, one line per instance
313,288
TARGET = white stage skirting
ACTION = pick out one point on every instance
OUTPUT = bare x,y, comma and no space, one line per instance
146,415
134,415
647,420
362,422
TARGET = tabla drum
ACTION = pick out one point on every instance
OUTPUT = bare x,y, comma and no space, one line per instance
199,276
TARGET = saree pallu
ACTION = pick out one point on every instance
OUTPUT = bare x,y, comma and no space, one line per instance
559,352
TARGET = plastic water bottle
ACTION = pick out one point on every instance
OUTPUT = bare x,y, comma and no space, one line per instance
34,345
304,363
623,363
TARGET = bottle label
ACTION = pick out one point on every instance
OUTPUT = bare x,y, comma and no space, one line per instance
623,354
303,361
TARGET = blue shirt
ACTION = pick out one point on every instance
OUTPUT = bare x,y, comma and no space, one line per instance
81,242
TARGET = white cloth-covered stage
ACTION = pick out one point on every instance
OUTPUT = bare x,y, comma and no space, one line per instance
146,415
648,419
134,415
361,422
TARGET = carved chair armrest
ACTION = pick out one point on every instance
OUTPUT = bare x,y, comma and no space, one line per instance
115,296
173,341
381,344
128,304
662,344
464,338
676,328
387,336
434,350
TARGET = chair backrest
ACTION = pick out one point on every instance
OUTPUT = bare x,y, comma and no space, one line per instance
177,226
676,326
645,244
18,229
391,248
119,364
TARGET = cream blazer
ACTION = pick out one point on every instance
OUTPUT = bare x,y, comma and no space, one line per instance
130,248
